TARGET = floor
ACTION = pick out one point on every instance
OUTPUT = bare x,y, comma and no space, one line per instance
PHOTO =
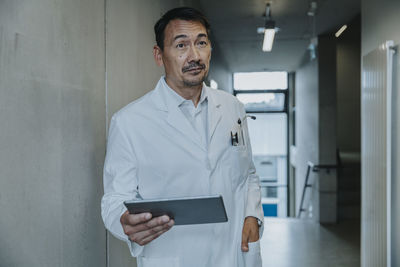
300,243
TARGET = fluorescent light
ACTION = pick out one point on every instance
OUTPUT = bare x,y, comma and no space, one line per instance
269,35
341,30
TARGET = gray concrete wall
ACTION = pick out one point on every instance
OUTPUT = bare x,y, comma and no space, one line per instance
349,120
306,125
131,70
349,88
219,70
327,181
380,22
52,139
316,131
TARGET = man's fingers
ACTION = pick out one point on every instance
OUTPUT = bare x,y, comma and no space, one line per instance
149,225
151,231
245,242
134,219
146,236
142,227
154,236
158,221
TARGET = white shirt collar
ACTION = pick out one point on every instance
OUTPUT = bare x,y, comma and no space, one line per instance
173,99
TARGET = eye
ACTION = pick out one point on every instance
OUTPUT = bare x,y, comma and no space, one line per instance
181,45
202,43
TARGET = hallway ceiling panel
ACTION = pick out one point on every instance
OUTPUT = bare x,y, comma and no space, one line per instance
234,29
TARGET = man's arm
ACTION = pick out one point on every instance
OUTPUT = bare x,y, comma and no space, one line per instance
121,184
254,216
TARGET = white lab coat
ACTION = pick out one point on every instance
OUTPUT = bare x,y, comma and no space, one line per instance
152,149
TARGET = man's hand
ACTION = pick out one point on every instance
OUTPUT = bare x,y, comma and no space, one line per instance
249,233
142,229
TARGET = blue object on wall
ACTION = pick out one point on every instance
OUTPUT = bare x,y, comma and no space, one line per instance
270,210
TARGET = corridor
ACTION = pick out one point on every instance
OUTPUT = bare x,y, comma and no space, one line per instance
291,242
67,66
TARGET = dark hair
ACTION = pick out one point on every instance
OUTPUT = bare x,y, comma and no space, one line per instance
183,13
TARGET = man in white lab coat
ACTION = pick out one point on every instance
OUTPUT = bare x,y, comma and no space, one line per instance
176,142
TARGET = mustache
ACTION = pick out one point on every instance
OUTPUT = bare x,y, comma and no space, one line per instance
193,65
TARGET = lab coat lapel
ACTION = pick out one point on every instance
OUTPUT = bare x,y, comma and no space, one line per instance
175,117
214,114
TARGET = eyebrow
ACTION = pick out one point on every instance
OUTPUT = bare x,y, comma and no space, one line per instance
185,36
180,36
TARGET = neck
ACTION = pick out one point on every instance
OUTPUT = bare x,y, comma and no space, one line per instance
187,92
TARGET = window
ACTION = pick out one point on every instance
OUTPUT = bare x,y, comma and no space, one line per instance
261,102
260,80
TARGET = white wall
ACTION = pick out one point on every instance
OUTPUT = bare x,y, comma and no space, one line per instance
380,22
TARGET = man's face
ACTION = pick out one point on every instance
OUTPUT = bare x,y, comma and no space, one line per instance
186,54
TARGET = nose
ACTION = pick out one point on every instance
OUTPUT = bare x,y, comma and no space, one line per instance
193,54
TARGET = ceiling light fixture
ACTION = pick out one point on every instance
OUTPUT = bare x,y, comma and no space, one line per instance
312,47
340,31
269,30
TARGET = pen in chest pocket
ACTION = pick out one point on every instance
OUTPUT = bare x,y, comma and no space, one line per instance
237,135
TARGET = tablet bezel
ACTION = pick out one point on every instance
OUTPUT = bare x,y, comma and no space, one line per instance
184,210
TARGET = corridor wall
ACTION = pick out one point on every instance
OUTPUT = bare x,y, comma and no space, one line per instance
316,132
306,127
52,133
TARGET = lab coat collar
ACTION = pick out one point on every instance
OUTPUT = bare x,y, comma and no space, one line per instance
173,99
167,100
175,116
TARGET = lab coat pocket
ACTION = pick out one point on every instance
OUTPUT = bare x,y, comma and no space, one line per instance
252,258
238,161
158,262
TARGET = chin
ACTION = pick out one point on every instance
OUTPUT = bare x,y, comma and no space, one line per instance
194,82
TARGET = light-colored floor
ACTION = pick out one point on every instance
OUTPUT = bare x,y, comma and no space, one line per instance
301,243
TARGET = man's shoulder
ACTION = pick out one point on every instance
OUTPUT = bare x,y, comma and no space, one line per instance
224,97
135,108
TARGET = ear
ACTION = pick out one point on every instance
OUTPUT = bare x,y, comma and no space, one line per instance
157,53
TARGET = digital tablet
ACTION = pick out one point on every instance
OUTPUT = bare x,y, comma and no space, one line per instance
186,210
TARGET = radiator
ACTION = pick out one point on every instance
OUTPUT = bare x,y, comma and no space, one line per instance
376,120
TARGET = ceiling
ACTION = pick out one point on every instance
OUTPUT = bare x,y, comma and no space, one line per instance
234,30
